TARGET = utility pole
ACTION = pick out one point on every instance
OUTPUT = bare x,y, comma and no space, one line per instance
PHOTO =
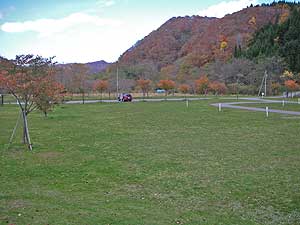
237,88
266,76
263,83
117,78
239,75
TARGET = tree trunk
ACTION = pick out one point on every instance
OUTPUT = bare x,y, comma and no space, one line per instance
82,97
26,137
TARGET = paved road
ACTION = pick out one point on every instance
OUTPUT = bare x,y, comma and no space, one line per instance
134,100
137,100
235,105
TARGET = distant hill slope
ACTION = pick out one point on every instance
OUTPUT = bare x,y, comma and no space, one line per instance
93,67
96,67
197,40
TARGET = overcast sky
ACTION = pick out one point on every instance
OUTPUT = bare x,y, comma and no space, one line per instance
92,30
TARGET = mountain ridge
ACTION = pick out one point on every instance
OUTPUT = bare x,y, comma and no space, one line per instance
196,40
92,67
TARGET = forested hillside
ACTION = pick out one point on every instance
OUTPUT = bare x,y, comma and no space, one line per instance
235,50
183,45
279,39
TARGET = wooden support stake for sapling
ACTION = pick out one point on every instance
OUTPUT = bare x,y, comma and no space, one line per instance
267,111
26,131
14,130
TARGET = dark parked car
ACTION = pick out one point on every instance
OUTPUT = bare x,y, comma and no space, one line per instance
125,97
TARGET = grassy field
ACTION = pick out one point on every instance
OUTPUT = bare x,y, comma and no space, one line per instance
151,163
280,106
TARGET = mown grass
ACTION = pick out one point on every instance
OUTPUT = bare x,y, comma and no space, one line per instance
281,106
151,163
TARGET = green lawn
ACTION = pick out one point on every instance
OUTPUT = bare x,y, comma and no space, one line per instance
151,163
280,106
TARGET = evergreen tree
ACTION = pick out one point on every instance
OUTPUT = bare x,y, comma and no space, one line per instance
290,49
277,40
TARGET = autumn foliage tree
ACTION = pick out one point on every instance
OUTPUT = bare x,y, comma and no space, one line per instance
30,80
275,86
167,85
79,79
291,85
101,86
49,92
224,43
144,85
252,21
202,85
184,88
287,75
217,87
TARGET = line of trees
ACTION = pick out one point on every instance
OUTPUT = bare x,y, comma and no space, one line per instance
237,75
203,85
200,86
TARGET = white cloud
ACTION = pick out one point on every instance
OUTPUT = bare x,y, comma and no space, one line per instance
46,27
226,7
85,45
79,37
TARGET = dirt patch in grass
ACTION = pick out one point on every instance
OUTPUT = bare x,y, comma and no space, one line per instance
48,155
40,156
17,204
